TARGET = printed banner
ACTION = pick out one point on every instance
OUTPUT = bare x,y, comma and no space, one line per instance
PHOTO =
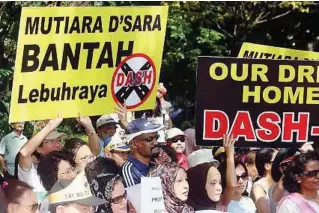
86,60
262,102
250,50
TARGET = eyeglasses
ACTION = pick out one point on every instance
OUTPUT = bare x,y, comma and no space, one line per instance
69,171
243,176
87,158
119,199
176,139
149,139
313,173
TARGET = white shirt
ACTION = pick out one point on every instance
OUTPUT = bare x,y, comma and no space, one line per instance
288,206
32,178
208,211
244,205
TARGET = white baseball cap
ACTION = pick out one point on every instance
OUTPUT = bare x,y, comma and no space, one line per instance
201,156
105,119
171,133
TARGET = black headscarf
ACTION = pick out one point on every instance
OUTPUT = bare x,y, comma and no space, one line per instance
197,196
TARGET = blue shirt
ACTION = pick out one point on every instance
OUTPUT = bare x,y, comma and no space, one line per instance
133,170
103,144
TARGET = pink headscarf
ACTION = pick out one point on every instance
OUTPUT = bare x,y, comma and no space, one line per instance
168,172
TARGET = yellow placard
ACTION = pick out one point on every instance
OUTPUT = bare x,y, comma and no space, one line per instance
258,51
86,60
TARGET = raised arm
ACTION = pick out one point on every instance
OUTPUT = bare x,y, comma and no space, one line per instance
93,141
25,159
231,180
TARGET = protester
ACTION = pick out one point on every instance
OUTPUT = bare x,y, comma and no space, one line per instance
106,183
240,202
259,194
175,138
57,165
175,187
73,196
190,142
44,142
10,146
79,151
205,183
301,180
20,197
142,138
118,150
276,192
106,128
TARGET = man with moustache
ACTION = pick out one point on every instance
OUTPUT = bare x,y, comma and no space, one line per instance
10,145
142,137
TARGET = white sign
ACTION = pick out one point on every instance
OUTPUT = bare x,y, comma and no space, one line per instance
147,197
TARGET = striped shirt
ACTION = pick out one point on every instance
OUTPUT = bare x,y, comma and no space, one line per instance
133,170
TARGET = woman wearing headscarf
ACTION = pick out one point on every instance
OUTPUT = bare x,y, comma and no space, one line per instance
106,183
175,187
205,189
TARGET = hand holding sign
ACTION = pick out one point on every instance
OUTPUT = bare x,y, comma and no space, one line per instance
54,123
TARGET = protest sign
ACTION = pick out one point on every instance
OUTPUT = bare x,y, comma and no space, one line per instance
258,51
147,197
86,60
262,102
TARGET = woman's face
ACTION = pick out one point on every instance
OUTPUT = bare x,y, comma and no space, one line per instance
213,184
178,143
310,178
66,171
83,157
181,187
28,203
242,179
119,201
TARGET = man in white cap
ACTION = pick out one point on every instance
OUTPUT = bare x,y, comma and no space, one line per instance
73,196
106,128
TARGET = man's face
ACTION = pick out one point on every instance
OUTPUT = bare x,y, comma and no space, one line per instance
108,129
49,146
146,144
74,208
18,126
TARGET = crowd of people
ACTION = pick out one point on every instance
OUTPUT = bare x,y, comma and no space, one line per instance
53,173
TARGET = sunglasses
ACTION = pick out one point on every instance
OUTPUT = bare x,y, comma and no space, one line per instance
313,173
176,139
243,176
149,139
119,199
